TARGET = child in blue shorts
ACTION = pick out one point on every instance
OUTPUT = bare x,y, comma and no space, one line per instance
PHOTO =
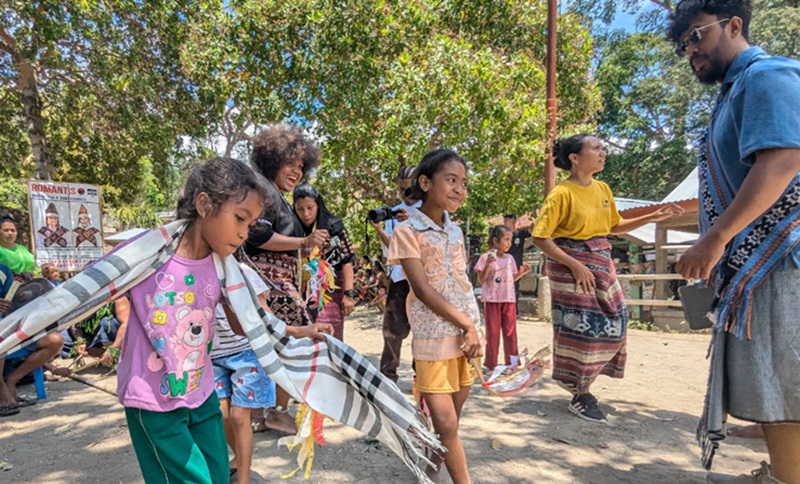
241,385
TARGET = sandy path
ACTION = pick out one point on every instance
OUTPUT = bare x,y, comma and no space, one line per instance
78,434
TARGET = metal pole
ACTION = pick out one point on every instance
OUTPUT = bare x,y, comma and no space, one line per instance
552,103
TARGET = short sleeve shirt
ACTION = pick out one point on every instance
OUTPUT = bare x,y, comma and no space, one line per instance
395,271
443,255
19,259
279,217
499,285
758,108
577,212
165,362
518,245
226,342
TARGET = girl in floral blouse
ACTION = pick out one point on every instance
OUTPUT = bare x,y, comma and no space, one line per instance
442,309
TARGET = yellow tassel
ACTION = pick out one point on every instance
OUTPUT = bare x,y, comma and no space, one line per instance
309,433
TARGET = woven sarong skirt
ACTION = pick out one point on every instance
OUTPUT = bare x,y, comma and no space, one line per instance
589,330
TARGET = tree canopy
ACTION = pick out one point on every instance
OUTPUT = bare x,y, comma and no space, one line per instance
94,92
653,108
127,89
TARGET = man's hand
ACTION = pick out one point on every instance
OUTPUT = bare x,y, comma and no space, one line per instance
5,306
701,258
57,370
107,358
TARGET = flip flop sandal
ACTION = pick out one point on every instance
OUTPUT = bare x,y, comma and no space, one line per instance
24,402
8,410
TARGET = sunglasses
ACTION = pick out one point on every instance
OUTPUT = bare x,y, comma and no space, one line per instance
694,38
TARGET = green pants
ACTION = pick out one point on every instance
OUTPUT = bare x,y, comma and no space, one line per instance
181,446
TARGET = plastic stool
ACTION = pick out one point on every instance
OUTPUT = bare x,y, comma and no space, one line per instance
38,373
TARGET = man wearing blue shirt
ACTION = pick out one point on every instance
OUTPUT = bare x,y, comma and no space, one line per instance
395,318
750,228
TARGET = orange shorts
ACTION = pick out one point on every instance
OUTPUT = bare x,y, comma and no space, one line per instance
446,376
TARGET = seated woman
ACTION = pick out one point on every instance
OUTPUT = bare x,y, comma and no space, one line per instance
13,255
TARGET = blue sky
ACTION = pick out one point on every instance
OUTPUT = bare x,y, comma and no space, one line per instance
624,21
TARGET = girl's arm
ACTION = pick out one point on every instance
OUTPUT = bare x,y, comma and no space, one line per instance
626,225
487,268
122,310
313,331
415,274
522,271
282,243
583,276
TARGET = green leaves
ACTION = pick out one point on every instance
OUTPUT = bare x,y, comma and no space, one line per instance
129,88
653,107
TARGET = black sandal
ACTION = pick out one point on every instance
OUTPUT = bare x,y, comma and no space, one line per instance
24,402
8,410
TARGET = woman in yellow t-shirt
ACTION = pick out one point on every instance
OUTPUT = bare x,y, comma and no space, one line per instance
588,307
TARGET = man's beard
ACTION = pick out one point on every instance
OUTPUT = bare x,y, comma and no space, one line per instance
715,70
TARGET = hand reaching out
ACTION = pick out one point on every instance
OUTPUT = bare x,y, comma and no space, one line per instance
667,211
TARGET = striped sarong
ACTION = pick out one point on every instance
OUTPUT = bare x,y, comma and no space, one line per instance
588,329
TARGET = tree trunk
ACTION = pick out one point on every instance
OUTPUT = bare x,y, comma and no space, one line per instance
32,108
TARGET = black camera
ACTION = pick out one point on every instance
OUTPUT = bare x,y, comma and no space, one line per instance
380,214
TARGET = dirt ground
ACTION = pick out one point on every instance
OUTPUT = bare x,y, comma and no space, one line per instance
78,434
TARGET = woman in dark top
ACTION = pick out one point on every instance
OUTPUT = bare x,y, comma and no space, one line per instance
310,209
284,155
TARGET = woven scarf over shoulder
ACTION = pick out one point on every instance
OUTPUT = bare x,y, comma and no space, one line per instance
330,377
754,252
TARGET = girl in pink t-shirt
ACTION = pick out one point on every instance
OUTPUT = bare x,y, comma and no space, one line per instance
497,274
165,375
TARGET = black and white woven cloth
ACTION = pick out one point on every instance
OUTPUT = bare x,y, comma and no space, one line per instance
330,377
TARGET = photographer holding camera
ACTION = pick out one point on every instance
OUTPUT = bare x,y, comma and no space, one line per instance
395,319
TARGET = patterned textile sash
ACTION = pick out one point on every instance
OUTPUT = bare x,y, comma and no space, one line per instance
330,377
332,313
602,314
279,270
754,252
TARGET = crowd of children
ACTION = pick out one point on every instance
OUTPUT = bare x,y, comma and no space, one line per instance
184,357
190,375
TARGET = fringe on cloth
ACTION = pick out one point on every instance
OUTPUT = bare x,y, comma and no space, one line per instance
710,427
